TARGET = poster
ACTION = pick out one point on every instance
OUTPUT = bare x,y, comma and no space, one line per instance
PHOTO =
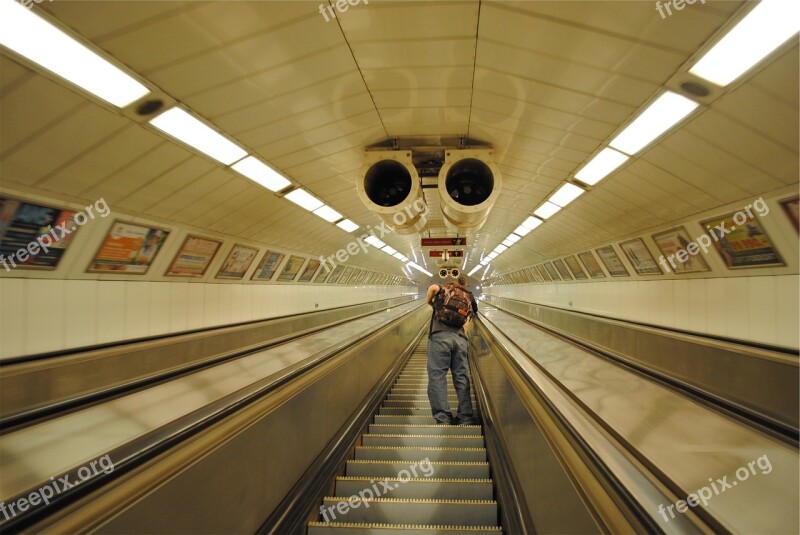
193,257
742,244
552,271
575,267
532,274
309,271
334,275
354,276
562,269
345,275
612,261
543,273
128,248
640,257
237,263
363,277
21,223
292,268
790,208
670,242
592,265
268,266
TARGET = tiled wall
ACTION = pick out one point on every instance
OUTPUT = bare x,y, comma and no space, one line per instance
757,309
40,315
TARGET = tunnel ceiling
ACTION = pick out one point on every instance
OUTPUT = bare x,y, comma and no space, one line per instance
546,83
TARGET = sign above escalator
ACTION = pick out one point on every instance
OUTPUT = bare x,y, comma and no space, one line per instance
433,242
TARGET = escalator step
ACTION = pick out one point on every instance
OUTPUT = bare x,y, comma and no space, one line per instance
419,453
335,528
418,411
412,511
419,487
404,419
442,469
425,429
448,441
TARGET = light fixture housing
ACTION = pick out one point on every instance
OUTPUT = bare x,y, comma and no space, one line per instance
604,163
186,128
304,199
513,238
547,209
260,173
375,242
347,225
566,194
662,114
327,213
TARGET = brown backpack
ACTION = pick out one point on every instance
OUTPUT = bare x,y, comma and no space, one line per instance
453,305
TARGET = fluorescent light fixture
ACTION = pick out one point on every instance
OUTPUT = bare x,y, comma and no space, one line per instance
328,214
606,161
547,209
484,261
389,250
760,32
513,238
500,249
347,225
420,269
566,194
476,268
304,199
375,242
507,242
184,127
399,256
522,230
531,223
664,113
32,37
260,173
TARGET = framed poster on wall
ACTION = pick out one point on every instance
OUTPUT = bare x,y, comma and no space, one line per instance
268,266
640,257
238,262
592,265
292,268
742,242
345,275
670,242
309,271
562,270
193,257
334,275
27,229
552,271
790,209
543,273
612,261
128,248
575,267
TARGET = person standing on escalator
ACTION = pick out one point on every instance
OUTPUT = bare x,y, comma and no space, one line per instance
453,306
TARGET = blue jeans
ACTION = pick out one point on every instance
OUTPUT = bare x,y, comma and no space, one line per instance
448,350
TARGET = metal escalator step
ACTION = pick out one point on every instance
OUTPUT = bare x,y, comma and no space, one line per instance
412,395
404,419
417,487
419,453
446,441
418,411
425,429
337,528
411,511
415,401
442,469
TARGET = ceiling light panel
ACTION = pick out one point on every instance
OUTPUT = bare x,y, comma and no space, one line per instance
304,199
661,115
566,194
260,173
599,167
547,209
181,125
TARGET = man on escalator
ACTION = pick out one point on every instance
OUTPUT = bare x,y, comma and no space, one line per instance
453,307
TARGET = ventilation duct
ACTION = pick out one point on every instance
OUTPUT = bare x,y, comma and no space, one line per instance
390,187
469,183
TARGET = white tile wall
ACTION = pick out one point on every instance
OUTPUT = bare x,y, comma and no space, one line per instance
41,315
757,309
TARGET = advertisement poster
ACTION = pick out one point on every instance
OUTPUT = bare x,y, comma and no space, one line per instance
575,267
591,265
292,268
309,271
552,271
543,273
612,261
562,269
532,274
334,275
790,208
21,223
640,257
354,276
268,266
742,244
670,242
345,275
363,277
237,263
193,257
128,248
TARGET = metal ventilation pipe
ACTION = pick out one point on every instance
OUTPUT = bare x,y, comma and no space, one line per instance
390,187
469,183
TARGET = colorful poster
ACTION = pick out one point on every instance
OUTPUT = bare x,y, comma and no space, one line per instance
128,248
292,268
354,276
345,275
612,262
334,275
309,271
237,263
193,257
640,257
552,271
543,273
742,244
22,223
268,266
790,208
670,242
562,269
575,267
592,265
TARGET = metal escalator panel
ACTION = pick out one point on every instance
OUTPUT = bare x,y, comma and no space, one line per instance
411,475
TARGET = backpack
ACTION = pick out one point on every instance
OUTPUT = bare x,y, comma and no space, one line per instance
453,305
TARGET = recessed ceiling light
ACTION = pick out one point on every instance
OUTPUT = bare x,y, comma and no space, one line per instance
546,210
507,242
184,127
604,162
476,268
420,269
522,230
32,37
566,194
347,225
400,256
531,223
513,238
389,250
500,249
328,214
303,199
375,242
260,173
760,32
664,113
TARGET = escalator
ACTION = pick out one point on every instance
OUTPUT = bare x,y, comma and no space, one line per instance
411,475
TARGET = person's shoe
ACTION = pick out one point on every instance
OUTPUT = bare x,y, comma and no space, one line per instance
442,422
467,421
